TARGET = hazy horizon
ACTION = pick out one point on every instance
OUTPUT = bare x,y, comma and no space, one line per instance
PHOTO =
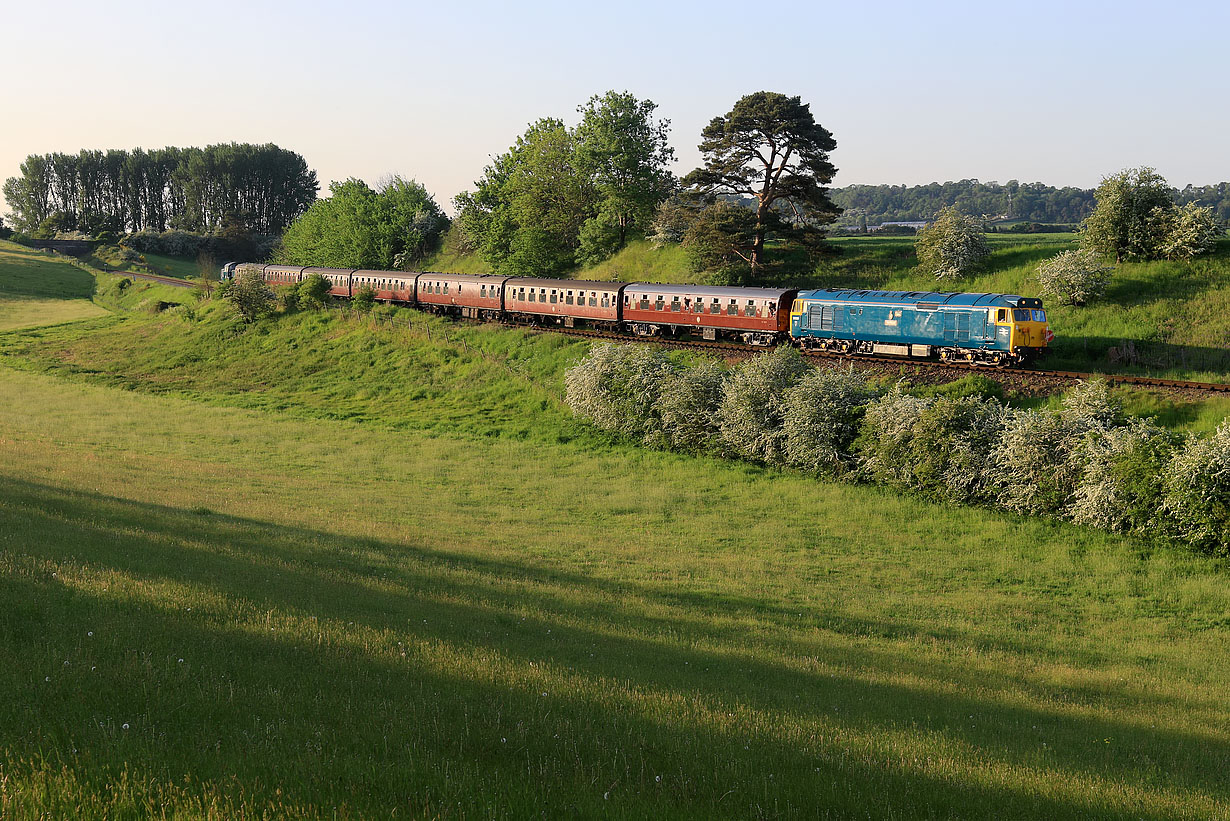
1062,94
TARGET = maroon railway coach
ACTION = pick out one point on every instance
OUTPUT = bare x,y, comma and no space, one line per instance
757,316
338,278
476,296
567,302
389,286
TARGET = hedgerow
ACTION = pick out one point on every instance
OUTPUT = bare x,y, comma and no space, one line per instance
1082,460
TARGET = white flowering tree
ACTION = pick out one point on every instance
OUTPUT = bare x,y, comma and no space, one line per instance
617,387
1074,277
822,415
753,405
1197,491
1190,231
1124,467
688,405
952,246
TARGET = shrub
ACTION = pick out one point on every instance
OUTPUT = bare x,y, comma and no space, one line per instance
1123,471
822,416
364,300
314,291
1196,491
952,246
1036,464
752,414
617,388
1074,277
885,438
940,448
251,296
688,407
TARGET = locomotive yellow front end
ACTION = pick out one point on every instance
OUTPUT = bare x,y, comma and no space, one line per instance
1030,334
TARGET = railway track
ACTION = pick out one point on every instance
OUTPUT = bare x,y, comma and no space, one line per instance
172,281
1017,377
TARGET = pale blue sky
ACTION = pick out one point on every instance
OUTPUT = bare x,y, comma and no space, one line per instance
1058,92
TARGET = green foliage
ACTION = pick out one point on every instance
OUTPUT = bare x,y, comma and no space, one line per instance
940,448
753,411
617,387
1074,277
357,227
822,416
717,242
313,291
624,149
1037,463
770,148
260,187
364,299
561,196
687,406
1197,491
1136,218
250,295
1121,485
1190,231
951,247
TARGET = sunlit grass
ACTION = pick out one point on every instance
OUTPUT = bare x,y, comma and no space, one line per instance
436,613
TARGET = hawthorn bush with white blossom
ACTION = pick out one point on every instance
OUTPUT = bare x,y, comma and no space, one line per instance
1083,461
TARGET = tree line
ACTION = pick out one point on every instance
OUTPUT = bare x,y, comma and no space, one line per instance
1032,202
262,188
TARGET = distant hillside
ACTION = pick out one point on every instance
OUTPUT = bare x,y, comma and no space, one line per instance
1032,202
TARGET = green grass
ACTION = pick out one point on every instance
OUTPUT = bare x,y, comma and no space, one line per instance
38,289
401,576
373,619
326,567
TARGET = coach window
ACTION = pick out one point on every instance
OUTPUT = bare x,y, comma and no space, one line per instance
568,298
733,308
659,304
675,306
533,295
593,300
482,290
698,307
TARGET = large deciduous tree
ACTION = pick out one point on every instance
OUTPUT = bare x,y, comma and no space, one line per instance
770,148
952,246
623,149
1136,217
560,196
1125,223
357,227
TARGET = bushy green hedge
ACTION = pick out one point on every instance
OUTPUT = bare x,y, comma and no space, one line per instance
1082,461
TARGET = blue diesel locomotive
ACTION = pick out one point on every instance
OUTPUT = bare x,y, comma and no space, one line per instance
979,329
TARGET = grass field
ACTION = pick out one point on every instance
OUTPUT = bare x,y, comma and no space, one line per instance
323,568
38,290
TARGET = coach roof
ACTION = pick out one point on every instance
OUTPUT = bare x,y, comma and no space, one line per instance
720,291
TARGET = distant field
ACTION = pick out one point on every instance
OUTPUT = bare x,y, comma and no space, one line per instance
42,290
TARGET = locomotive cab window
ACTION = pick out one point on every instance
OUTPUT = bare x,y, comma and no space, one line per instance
1020,315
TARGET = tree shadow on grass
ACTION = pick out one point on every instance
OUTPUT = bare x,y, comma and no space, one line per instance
561,687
